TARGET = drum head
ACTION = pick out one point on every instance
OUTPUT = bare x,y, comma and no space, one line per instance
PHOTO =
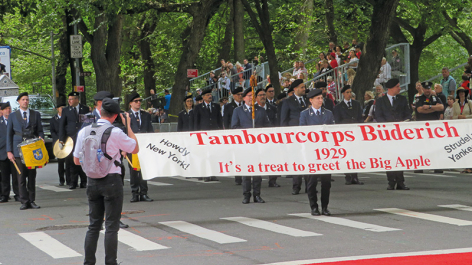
65,150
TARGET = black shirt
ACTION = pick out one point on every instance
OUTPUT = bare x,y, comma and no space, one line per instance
432,100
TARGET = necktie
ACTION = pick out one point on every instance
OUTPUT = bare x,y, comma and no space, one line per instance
137,116
5,120
349,104
393,101
25,118
250,109
317,113
301,102
75,111
209,107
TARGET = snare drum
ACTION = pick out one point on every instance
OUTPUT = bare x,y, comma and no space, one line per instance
33,153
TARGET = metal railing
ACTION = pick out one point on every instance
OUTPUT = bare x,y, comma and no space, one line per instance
165,127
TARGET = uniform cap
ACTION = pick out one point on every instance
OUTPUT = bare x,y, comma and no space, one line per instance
296,83
237,90
268,86
102,95
247,91
281,95
60,105
314,93
392,83
346,87
73,94
4,105
21,95
198,98
206,91
111,106
320,84
133,96
187,97
426,85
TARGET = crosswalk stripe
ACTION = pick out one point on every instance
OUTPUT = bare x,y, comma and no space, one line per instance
156,183
457,207
52,188
347,222
195,180
269,226
49,245
426,216
202,232
138,243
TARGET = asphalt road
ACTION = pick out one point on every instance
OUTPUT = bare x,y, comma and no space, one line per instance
192,222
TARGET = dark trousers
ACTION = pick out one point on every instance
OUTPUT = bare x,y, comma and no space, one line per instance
8,171
75,171
238,179
26,182
256,186
61,170
297,182
272,180
138,185
105,198
395,177
351,177
325,189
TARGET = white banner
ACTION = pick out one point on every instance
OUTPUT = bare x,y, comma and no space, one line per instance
5,53
304,150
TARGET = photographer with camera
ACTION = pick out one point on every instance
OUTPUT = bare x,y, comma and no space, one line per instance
102,166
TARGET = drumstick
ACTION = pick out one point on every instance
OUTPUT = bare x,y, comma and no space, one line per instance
17,169
128,160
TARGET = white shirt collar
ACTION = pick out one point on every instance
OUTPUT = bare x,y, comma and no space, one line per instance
347,101
316,110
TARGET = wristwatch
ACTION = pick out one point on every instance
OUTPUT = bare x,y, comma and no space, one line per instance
429,106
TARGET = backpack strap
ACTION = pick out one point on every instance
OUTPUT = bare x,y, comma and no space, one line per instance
103,144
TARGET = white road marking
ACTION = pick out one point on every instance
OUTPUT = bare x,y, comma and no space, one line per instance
155,183
269,226
52,188
49,245
202,232
457,207
195,180
426,216
138,243
347,222
376,256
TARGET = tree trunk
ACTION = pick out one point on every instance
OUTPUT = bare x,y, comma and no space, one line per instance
329,6
239,31
146,55
375,46
192,43
106,52
226,45
62,62
264,29
303,31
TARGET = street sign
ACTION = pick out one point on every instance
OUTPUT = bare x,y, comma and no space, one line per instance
79,88
191,73
86,74
76,46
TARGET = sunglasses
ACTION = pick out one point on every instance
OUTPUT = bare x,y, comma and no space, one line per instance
137,100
